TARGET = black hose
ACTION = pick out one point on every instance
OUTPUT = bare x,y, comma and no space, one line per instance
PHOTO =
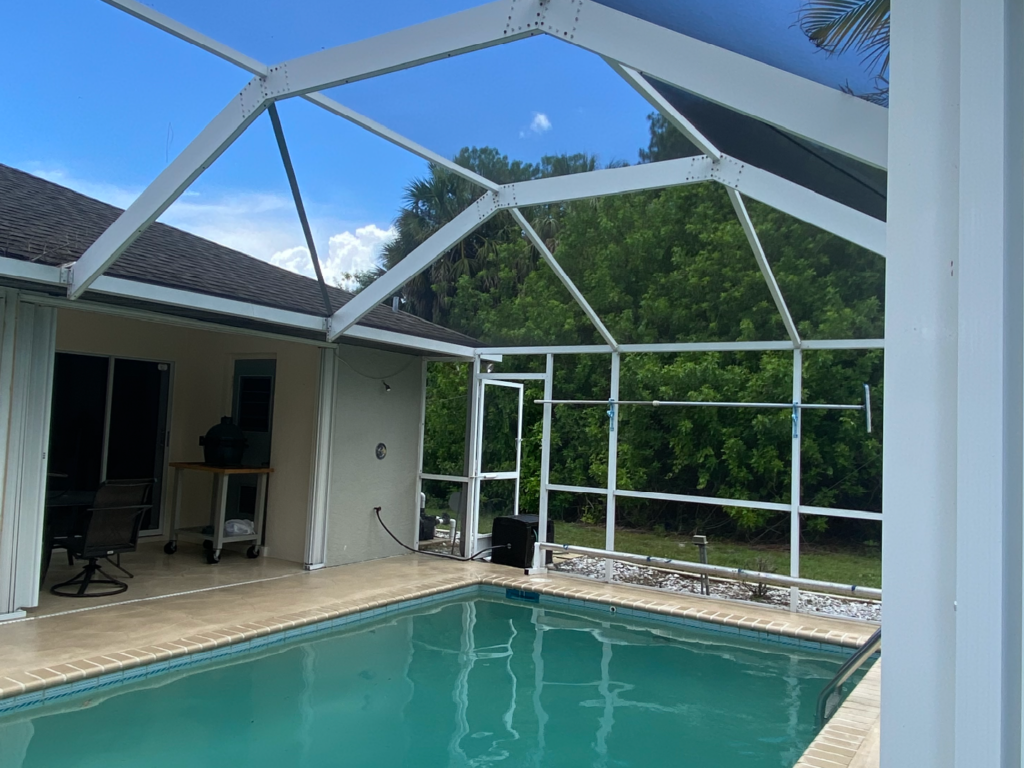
434,554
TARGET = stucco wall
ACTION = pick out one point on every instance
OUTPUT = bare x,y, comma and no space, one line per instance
366,414
203,366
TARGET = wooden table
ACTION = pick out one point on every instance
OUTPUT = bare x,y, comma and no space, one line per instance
215,541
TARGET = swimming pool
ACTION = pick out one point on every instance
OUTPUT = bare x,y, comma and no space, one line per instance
473,680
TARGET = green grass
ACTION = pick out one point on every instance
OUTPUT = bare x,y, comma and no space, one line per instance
844,565
847,565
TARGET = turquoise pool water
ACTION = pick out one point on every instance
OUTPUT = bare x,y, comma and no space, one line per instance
468,682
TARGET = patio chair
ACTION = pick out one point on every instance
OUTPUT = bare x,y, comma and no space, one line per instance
109,527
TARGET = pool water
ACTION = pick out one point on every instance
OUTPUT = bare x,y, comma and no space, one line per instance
468,682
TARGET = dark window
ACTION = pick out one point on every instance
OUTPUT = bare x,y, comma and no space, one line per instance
254,403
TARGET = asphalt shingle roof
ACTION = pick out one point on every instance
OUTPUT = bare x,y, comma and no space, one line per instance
49,224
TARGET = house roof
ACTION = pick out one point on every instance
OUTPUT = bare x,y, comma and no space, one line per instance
49,224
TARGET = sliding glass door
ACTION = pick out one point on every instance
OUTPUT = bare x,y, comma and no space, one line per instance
109,422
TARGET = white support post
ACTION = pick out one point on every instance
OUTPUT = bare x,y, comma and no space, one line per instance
199,155
795,104
545,462
476,416
425,254
763,265
613,462
320,477
920,449
421,436
989,424
794,480
665,108
549,258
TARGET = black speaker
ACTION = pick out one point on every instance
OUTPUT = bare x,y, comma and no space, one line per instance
513,539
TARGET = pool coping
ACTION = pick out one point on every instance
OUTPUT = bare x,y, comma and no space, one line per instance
29,688
850,738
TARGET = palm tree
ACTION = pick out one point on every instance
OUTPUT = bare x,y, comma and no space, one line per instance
837,26
431,202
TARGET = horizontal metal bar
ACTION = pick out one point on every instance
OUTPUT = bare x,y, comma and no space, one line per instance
150,316
768,506
500,382
606,181
682,347
418,343
738,574
854,514
444,478
710,346
577,489
690,403
564,349
512,475
512,376
843,344
18,269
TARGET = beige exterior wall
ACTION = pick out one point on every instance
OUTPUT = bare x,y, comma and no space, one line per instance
202,374
366,414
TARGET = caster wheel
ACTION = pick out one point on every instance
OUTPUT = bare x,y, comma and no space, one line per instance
252,552
170,547
212,558
208,545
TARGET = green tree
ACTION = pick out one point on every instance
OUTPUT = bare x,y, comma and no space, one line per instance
674,265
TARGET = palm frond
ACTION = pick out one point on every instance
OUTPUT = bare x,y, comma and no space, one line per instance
837,26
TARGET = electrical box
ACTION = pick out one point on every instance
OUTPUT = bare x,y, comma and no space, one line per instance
513,538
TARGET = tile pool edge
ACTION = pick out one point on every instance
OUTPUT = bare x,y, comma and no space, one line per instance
29,688
850,738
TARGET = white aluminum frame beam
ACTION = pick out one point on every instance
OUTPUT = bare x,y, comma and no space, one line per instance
763,265
662,105
471,30
556,189
549,258
421,257
251,65
216,137
802,203
826,116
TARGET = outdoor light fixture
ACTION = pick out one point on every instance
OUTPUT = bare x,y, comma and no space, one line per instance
490,367
387,387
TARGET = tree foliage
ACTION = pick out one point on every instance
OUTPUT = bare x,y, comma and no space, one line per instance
660,266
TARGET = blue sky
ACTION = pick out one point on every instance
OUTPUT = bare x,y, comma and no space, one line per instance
99,101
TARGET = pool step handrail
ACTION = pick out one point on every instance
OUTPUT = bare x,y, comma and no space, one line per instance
831,695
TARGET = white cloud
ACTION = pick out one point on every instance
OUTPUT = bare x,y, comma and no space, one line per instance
347,253
263,225
540,124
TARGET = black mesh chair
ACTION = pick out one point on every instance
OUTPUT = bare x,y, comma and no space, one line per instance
109,527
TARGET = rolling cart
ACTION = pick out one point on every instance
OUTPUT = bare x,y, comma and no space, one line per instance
215,540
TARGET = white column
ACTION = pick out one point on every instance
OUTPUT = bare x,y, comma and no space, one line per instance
989,393
27,351
613,462
545,460
794,478
919,454
320,481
